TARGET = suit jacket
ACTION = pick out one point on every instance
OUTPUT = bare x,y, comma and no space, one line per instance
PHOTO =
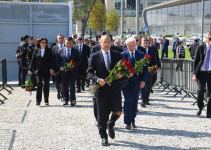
61,58
95,48
55,55
135,79
199,59
97,68
41,64
83,57
151,52
156,55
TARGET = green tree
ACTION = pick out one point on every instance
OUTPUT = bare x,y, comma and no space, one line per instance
97,18
112,21
81,11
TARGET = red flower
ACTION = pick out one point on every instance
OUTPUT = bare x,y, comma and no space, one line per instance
148,56
128,65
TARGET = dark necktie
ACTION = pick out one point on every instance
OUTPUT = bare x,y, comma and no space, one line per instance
108,61
132,59
68,53
207,58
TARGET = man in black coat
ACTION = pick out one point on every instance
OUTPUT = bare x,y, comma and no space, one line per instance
202,73
84,52
108,97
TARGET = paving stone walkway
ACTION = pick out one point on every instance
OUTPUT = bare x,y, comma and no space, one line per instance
167,124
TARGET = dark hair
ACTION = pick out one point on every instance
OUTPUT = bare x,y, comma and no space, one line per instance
41,39
69,39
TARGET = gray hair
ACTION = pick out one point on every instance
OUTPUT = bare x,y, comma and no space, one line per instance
130,40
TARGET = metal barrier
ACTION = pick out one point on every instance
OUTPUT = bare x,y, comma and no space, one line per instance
176,76
4,85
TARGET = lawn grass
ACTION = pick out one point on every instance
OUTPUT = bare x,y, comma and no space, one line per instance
171,54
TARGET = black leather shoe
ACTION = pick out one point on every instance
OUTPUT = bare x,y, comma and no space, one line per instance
46,104
58,96
73,103
147,103
65,103
199,112
111,132
134,125
128,127
143,105
38,104
105,142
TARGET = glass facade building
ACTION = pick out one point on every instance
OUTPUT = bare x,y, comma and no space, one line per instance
183,19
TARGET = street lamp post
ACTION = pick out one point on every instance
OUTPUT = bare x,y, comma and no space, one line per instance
202,23
137,16
121,21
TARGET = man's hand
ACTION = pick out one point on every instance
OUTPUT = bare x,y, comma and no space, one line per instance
51,72
119,75
61,68
29,73
102,82
131,74
194,78
142,84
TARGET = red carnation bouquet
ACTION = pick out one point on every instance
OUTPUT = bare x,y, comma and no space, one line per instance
68,66
140,64
123,67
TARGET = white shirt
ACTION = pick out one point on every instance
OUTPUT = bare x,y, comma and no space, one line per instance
131,54
61,46
203,66
66,51
105,57
42,52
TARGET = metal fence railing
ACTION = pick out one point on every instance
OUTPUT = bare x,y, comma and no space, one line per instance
176,76
4,85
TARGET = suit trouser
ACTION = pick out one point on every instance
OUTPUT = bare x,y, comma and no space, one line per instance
43,77
23,74
203,79
154,79
164,52
131,95
58,82
68,85
147,88
107,100
81,78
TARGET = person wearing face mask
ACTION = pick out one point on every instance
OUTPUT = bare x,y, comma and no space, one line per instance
202,74
41,66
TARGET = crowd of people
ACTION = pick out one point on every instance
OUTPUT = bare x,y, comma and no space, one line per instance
74,63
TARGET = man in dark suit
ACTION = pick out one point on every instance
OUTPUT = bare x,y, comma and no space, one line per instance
67,55
108,97
55,51
165,43
84,52
146,49
202,73
134,84
21,55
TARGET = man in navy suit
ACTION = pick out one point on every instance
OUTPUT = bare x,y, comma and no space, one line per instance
135,83
146,49
68,77
108,97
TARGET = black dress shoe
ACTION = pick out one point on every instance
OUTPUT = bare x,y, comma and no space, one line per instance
83,89
111,132
65,103
78,91
58,96
134,125
46,104
128,126
199,112
38,104
105,142
151,91
73,103
147,103
143,105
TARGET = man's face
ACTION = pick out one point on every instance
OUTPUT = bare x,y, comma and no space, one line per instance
131,46
105,43
144,43
117,43
69,44
60,39
80,41
209,39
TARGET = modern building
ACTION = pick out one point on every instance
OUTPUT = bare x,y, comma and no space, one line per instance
130,11
178,16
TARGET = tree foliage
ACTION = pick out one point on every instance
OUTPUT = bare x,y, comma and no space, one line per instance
81,11
97,18
112,21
